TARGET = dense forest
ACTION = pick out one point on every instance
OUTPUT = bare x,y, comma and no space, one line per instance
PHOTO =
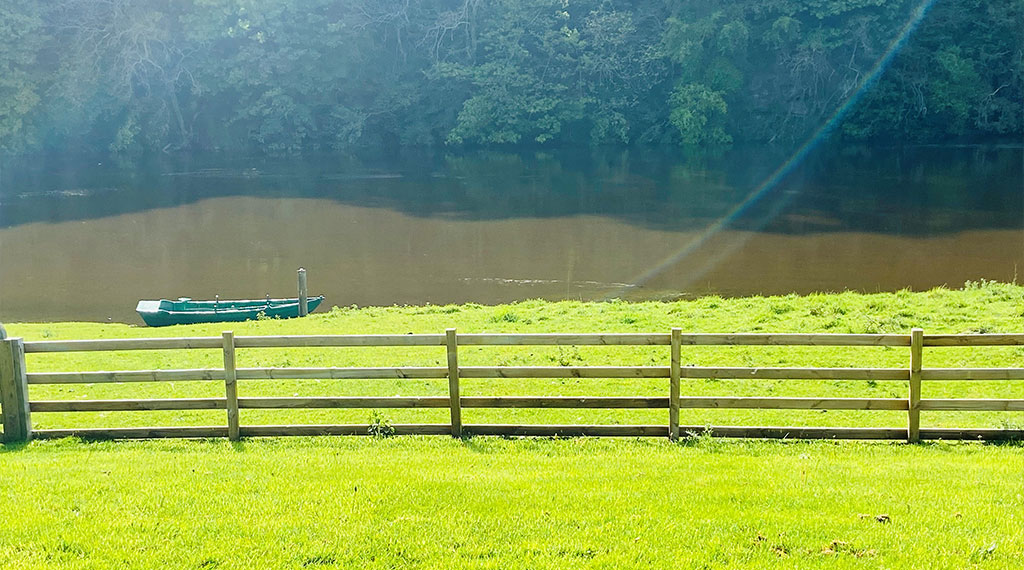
284,75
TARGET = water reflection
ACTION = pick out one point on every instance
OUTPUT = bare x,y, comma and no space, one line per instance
84,239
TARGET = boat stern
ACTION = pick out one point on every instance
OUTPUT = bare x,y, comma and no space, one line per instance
154,313
147,307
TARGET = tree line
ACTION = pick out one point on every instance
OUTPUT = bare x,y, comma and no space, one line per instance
289,75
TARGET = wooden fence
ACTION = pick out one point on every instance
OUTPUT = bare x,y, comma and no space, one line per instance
17,408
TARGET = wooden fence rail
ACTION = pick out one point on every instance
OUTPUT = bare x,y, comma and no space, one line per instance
17,408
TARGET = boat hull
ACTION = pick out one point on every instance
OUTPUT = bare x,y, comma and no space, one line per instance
164,313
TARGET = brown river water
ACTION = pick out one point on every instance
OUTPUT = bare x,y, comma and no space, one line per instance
85,239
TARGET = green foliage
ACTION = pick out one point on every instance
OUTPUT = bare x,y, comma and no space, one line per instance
21,27
698,113
380,426
324,74
961,74
593,73
955,87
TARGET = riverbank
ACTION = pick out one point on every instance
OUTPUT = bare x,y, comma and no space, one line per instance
984,306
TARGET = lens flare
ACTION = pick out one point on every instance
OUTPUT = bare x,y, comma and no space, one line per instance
764,189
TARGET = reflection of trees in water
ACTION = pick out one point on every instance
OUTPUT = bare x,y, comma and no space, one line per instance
912,190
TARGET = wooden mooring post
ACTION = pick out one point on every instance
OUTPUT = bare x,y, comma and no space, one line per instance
14,391
303,294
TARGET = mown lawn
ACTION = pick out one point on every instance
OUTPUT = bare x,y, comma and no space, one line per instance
434,502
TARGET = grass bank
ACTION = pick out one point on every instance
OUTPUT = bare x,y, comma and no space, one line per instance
428,502
979,307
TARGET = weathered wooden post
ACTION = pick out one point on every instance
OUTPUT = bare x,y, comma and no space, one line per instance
231,384
914,399
673,393
14,391
453,382
303,294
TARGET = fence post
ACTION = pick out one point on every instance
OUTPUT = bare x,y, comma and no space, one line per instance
453,382
231,384
14,391
914,398
303,295
673,392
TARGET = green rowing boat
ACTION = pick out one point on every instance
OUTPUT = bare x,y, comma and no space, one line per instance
185,311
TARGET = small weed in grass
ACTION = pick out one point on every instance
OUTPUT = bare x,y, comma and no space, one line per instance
505,316
380,426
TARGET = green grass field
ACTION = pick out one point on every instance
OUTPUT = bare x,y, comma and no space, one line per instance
429,502
434,502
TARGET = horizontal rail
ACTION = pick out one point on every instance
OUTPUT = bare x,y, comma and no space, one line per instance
242,374
342,429
711,339
132,433
987,339
247,431
564,339
566,430
796,432
611,339
597,402
563,371
200,374
795,339
428,372
240,342
971,405
466,402
347,402
128,405
980,434
421,372
686,372
488,339
339,340
692,403
122,344
795,403
972,374
662,431
768,373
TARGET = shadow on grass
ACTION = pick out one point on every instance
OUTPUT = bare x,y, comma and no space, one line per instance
559,445
163,444
486,445
13,447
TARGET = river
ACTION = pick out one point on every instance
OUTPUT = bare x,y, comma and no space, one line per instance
84,238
